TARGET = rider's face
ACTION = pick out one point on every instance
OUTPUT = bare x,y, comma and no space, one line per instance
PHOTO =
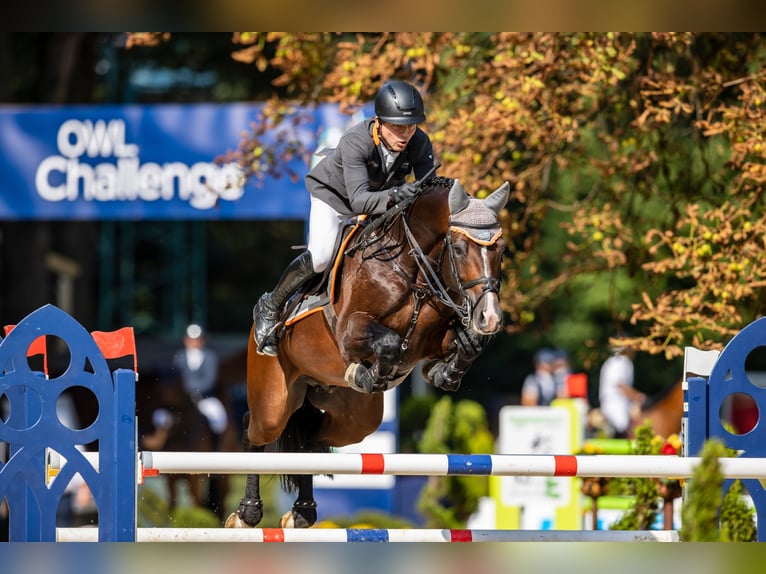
396,136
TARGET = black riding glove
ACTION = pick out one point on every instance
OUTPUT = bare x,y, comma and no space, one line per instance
404,191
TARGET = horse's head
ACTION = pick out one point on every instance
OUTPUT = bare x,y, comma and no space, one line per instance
475,248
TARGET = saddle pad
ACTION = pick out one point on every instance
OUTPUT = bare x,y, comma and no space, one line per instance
307,305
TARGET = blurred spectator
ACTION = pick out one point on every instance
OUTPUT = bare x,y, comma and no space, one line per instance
197,365
569,384
617,396
541,387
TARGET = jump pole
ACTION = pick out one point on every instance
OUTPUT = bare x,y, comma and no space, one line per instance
584,466
346,535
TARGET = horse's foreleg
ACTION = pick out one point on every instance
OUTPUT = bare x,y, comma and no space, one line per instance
448,374
304,511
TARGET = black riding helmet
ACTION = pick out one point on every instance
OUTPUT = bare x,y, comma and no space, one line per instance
399,102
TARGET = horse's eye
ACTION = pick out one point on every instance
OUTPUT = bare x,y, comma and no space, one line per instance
461,248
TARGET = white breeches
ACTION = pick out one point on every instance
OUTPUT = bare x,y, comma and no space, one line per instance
324,225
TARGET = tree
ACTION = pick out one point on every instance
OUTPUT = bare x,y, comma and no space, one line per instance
636,161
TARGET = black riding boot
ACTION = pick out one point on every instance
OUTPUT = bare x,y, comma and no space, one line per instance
267,309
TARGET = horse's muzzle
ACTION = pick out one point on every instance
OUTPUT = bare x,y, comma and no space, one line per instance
487,316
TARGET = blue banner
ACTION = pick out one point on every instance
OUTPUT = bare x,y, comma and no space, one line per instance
140,162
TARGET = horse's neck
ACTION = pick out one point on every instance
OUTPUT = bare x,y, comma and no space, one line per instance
428,221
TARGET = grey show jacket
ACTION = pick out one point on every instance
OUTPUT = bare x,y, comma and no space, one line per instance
351,177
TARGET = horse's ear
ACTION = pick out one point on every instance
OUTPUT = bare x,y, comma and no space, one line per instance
498,198
458,198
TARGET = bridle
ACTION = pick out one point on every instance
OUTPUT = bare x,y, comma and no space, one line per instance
433,279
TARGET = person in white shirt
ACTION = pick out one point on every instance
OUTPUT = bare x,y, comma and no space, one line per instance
617,395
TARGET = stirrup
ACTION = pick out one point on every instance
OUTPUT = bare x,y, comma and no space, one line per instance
268,347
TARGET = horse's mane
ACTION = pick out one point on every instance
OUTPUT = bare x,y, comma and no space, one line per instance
385,220
438,181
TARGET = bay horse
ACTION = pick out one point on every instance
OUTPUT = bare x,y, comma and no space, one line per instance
663,411
418,285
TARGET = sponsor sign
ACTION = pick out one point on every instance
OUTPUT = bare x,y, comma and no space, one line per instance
141,162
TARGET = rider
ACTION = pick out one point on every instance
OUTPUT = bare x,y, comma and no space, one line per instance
365,174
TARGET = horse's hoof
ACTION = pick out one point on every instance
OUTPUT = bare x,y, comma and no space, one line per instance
287,520
443,377
353,377
250,512
292,519
234,521
267,349
365,380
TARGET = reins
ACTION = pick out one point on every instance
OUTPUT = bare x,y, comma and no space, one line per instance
433,279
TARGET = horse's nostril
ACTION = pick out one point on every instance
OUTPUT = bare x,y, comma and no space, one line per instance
489,319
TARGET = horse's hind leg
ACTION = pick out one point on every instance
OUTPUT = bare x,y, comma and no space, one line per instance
250,510
346,418
304,511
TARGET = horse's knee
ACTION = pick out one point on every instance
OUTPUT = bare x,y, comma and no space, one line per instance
387,346
363,335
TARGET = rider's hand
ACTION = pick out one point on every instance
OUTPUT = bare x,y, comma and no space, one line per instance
404,191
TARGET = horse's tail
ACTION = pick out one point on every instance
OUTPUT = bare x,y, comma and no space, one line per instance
299,436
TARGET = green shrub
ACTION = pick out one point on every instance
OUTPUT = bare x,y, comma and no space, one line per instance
643,513
708,515
703,498
737,517
448,501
